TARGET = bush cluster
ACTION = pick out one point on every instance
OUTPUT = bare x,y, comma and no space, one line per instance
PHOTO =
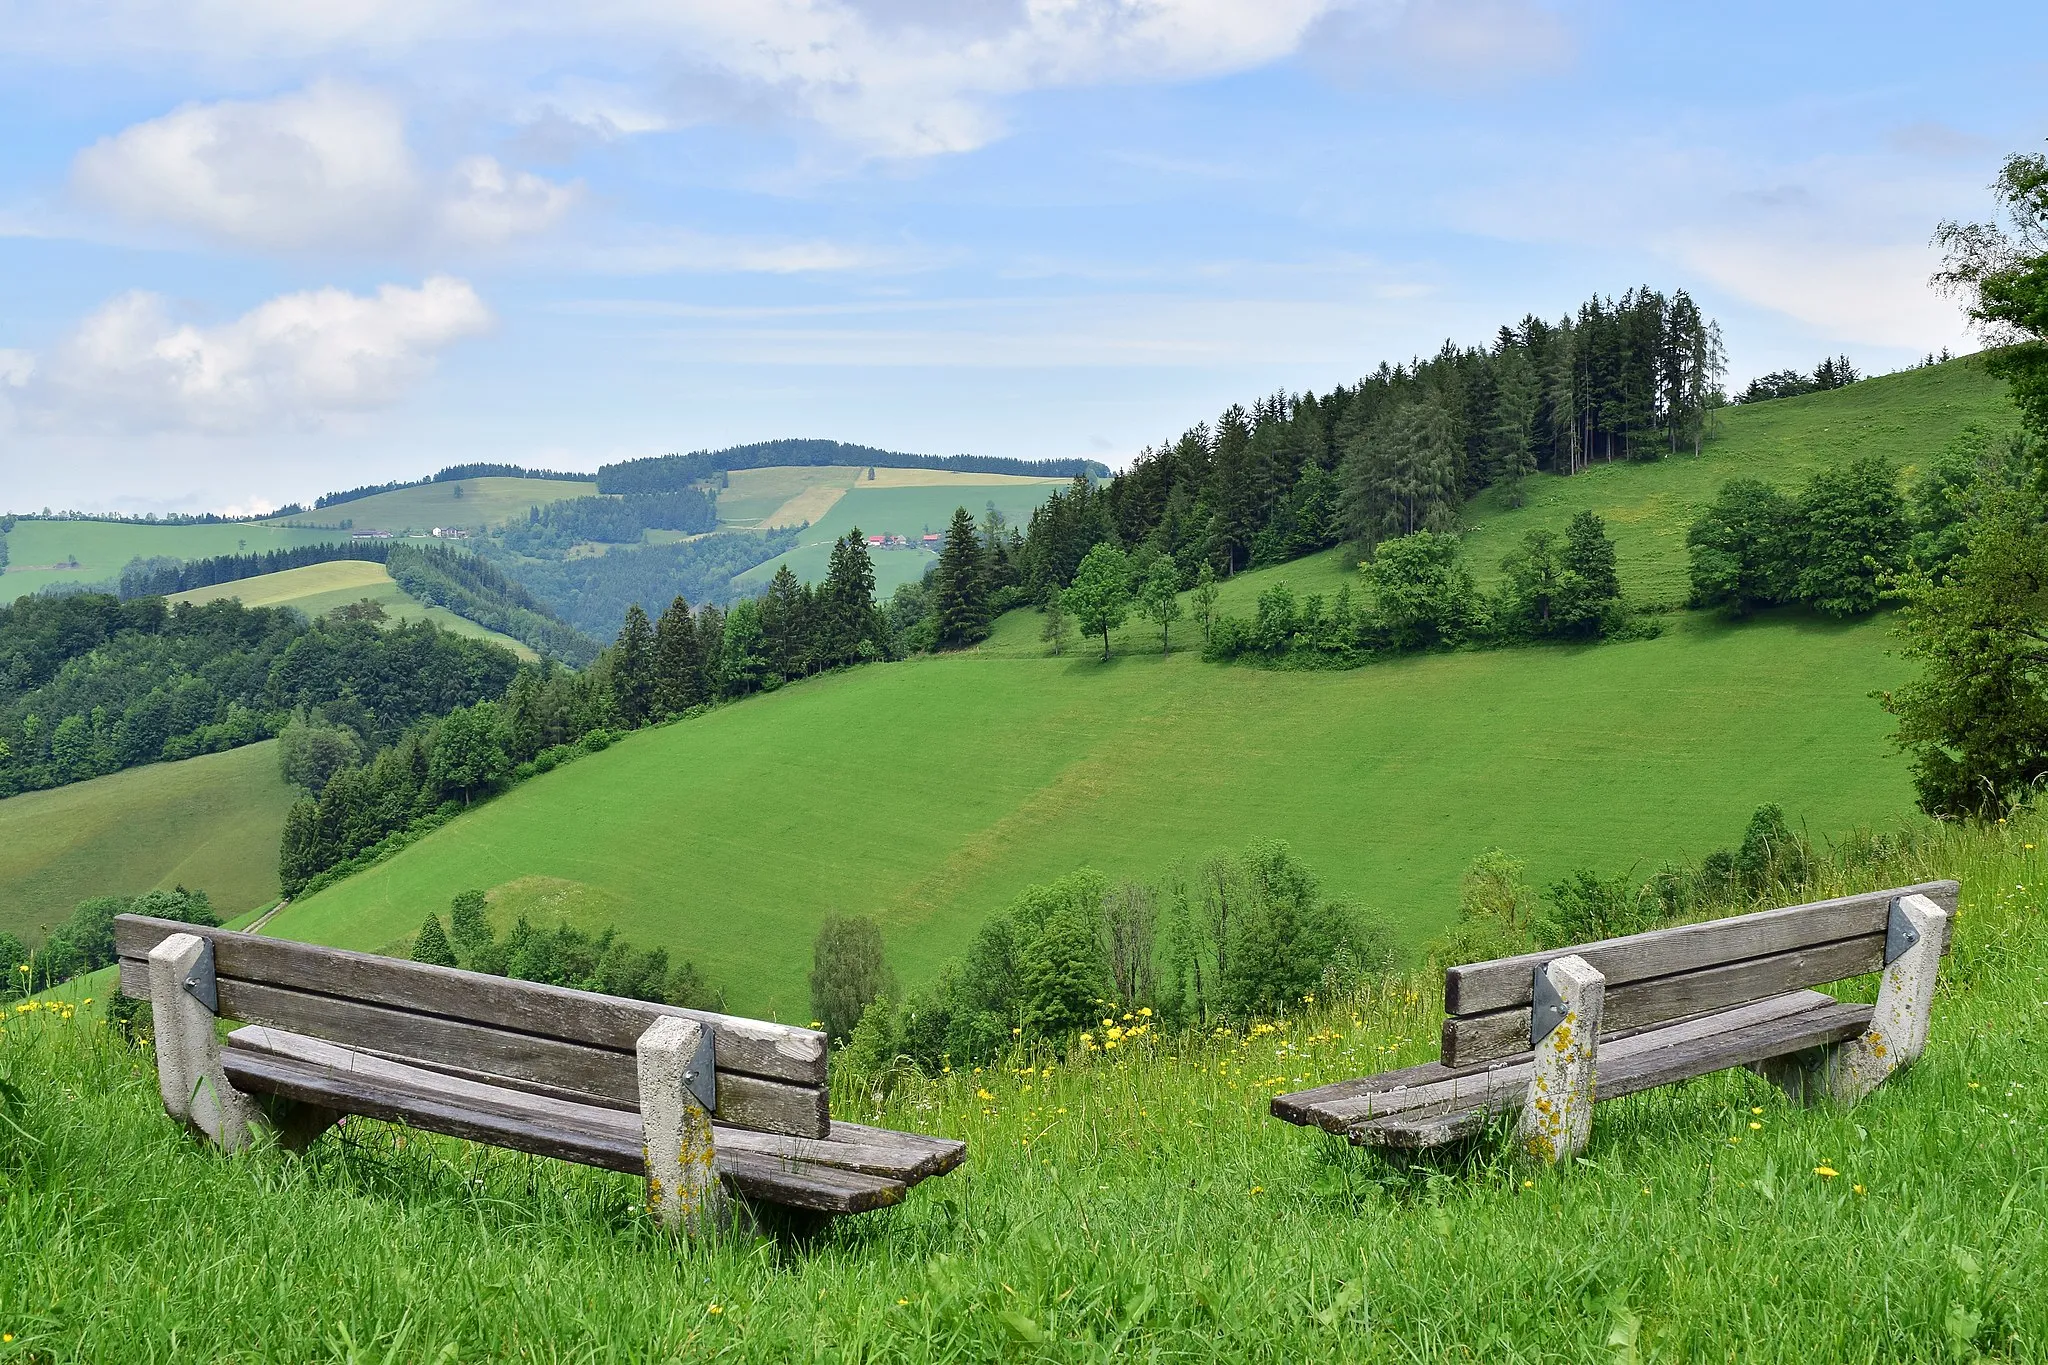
580,959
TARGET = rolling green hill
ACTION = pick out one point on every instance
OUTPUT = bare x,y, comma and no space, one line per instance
905,502
211,823
465,502
320,588
927,793
40,553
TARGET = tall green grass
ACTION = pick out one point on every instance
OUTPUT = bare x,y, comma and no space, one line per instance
1135,1204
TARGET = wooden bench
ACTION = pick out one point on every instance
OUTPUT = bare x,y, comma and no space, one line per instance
704,1105
1547,1033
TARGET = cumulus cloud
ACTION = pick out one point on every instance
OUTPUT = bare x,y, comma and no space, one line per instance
892,78
326,166
295,360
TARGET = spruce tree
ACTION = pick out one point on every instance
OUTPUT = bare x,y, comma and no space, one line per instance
632,670
786,611
471,931
432,944
958,586
850,627
678,671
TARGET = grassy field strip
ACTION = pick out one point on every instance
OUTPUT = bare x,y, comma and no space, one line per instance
811,505
211,823
319,588
928,793
468,502
103,548
1131,1205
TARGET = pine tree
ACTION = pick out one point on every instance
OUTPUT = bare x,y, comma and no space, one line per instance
786,639
632,669
1234,494
1511,433
432,944
961,595
850,626
678,668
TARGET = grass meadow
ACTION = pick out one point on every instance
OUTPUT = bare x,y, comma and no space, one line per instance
211,823
481,502
103,548
1130,1205
319,588
928,793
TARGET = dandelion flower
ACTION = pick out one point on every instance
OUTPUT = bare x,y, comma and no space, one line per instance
1258,1189
1826,1172
902,1302
982,1094
1857,1188
1754,1125
1528,1184
1756,1109
715,1309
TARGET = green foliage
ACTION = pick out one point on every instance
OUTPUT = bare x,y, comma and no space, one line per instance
1853,523
466,918
959,586
1159,599
1100,597
1976,719
1422,594
1496,913
311,750
1204,598
84,942
1745,548
2001,270
848,972
431,944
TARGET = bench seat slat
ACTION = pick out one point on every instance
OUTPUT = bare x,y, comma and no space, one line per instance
1635,1004
746,1046
1340,1107
602,1074
595,1136
909,1157
1661,1062
1481,987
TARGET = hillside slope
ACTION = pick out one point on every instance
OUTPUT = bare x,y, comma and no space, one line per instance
463,502
211,823
319,588
40,553
928,793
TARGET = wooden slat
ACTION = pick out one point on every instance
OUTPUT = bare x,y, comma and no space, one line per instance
908,1157
748,1046
1483,987
1635,1004
607,1075
1645,1068
1337,1108
597,1137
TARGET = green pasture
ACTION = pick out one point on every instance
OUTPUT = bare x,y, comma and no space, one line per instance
1130,1206
911,511
469,502
211,823
37,549
927,793
319,588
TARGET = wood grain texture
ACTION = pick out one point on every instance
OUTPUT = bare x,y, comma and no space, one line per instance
596,1136
597,1073
1645,1068
1503,1033
907,1157
1483,987
1501,1084
744,1046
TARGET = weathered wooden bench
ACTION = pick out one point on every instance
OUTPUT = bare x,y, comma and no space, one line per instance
1546,1034
705,1106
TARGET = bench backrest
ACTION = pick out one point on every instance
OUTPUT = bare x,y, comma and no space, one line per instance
1672,973
573,1044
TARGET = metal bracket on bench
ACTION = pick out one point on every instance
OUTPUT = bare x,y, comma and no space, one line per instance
200,983
701,1075
1900,936
1546,1006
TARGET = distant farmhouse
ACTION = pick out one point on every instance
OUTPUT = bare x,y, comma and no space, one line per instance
890,542
369,535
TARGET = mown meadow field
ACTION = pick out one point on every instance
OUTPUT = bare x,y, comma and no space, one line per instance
1136,1204
317,589
727,838
36,549
211,823
481,502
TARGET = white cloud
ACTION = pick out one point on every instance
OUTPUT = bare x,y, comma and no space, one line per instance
327,166
892,78
297,359
1450,45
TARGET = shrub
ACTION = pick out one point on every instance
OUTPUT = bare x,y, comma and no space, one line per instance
848,972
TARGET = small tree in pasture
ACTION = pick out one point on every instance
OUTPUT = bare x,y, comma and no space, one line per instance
1160,599
1101,595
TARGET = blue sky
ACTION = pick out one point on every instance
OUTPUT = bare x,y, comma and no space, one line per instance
252,252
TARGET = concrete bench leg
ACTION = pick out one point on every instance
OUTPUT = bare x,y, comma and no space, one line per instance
188,1073
683,1189
1898,1026
1557,1115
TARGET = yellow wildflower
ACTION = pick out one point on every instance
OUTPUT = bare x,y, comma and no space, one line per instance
1754,1125
1826,1172
715,1309
983,1095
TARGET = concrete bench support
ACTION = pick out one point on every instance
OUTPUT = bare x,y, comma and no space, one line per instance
188,1071
1557,1117
1905,1002
683,1189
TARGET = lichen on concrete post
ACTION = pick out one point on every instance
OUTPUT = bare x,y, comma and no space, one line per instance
1557,1115
188,1072
683,1189
1898,1025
